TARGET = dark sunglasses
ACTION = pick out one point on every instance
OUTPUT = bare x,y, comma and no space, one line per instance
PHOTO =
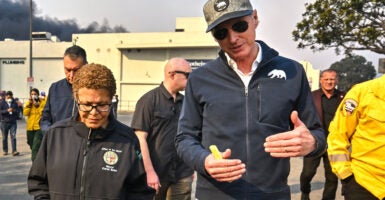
181,72
239,27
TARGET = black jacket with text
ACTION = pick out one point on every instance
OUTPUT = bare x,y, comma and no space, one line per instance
75,162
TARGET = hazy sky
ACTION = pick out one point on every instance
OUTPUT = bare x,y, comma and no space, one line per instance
277,20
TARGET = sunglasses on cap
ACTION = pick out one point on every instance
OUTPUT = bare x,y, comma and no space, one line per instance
239,27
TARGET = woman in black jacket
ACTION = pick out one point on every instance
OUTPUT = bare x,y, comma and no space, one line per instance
91,155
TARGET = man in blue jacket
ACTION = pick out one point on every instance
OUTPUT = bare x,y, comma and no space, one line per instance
255,105
60,102
9,113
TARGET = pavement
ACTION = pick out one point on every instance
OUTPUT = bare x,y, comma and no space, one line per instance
14,171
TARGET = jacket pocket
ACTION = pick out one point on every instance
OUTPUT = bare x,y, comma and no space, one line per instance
377,114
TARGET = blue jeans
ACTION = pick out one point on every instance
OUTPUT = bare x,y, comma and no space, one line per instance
9,127
180,190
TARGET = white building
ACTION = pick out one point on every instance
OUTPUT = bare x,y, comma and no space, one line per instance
14,65
136,59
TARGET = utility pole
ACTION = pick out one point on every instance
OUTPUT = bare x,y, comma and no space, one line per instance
30,45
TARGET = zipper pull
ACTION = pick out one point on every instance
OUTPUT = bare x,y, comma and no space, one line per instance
246,91
88,143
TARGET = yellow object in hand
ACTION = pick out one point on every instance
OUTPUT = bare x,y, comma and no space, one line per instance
214,150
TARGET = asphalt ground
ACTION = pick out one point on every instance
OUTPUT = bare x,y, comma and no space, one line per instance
14,171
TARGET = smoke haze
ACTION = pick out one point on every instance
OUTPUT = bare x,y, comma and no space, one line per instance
14,23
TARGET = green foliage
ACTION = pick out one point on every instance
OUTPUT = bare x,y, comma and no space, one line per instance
344,25
352,70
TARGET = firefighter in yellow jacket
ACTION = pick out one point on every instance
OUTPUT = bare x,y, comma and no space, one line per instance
356,143
33,110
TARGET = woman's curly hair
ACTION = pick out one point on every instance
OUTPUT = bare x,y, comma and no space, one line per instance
94,76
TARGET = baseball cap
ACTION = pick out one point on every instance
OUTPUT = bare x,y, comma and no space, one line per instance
218,11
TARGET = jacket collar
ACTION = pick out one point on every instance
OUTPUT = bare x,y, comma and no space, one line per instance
267,54
179,96
336,92
96,134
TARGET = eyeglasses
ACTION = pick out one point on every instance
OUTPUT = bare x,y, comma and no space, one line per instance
89,107
239,27
181,72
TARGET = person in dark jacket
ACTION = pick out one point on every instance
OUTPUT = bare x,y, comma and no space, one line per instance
60,103
2,96
90,155
326,100
255,105
9,110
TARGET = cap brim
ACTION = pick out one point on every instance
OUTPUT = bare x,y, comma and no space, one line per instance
227,17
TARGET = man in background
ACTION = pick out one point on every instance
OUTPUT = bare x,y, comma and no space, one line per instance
326,100
155,121
60,102
2,96
9,113
115,101
42,94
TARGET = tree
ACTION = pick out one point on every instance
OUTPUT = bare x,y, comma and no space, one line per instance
352,70
344,25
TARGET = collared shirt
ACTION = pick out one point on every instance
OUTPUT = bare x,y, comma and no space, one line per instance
246,77
157,113
329,107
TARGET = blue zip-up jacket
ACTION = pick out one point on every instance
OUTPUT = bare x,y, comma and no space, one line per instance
5,115
218,109
60,104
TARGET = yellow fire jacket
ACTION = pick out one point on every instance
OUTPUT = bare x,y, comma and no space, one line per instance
33,114
359,123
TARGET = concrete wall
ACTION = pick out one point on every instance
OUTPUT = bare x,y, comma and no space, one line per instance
47,65
137,59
